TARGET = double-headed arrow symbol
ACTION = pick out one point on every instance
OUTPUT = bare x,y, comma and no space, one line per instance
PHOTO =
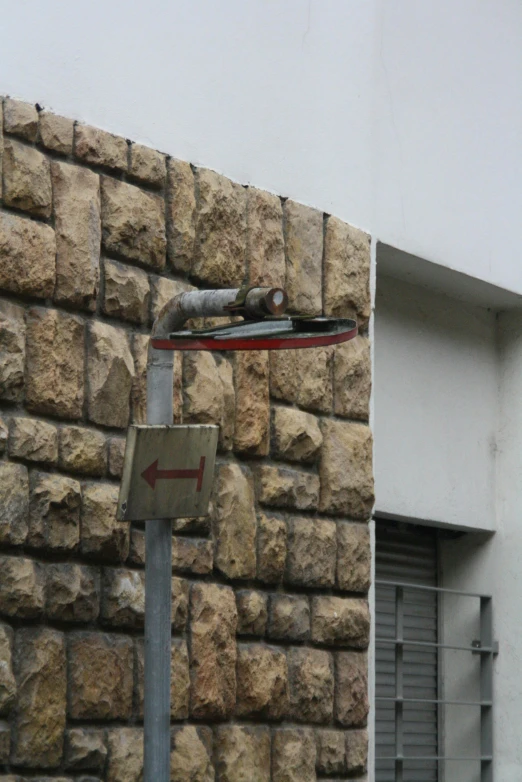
153,474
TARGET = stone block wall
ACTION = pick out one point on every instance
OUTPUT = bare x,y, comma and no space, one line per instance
270,620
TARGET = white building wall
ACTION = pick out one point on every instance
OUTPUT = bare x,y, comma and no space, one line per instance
402,117
448,380
435,402
493,565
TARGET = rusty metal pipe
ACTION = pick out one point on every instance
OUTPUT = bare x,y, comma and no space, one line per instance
259,302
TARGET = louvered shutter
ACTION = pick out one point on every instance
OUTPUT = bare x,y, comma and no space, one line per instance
406,557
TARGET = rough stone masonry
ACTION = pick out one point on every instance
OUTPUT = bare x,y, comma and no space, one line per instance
270,621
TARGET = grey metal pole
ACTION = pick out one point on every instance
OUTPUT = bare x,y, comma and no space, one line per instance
158,579
158,533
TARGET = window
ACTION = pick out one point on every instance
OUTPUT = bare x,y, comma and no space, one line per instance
412,657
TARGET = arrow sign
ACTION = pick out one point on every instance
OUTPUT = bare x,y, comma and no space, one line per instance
153,474
167,472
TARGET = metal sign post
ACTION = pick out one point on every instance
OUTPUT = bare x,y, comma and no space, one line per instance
162,479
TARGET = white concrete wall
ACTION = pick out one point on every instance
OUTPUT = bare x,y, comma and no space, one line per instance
436,376
448,125
401,117
448,380
493,566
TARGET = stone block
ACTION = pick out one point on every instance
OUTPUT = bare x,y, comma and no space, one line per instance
126,292
32,440
220,230
262,682
293,755
27,179
179,679
252,612
192,555
73,593
103,538
242,753
330,752
163,290
191,755
77,222
147,165
133,223
55,363
39,719
311,676
7,679
351,702
137,548
346,272
14,502
4,434
340,621
289,618
208,393
125,755
312,552
111,371
138,396
303,377
213,651
85,749
282,487
82,450
354,557
180,600
116,454
54,512
346,469
123,603
304,258
234,522
96,146
356,751
56,133
28,252
63,779
5,732
296,435
12,351
271,549
20,119
353,379
100,676
181,215
22,587
265,249
252,431
192,526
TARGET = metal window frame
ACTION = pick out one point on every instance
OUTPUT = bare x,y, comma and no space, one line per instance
486,648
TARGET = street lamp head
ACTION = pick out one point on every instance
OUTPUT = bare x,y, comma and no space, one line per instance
270,333
264,326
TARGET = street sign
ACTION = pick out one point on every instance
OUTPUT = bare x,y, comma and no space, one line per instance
167,472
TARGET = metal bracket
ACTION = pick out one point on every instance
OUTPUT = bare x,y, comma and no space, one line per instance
476,644
237,307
